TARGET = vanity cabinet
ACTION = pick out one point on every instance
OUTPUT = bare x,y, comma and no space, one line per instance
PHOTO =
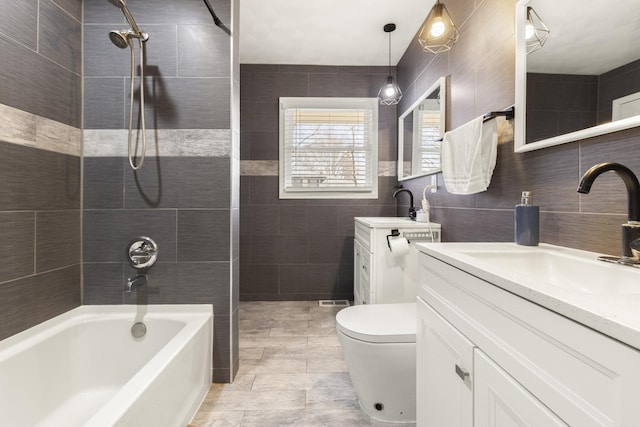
378,276
488,357
472,389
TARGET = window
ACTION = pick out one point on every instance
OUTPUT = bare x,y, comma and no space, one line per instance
328,148
428,125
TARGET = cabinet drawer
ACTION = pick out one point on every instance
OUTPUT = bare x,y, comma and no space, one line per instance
586,378
363,235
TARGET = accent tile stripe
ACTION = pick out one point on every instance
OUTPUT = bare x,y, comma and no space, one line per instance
270,168
23,128
160,142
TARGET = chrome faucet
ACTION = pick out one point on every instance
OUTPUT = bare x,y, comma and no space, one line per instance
630,230
412,209
135,281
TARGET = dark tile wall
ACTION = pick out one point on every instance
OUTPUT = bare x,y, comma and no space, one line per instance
42,52
560,103
614,84
481,67
39,189
183,203
302,249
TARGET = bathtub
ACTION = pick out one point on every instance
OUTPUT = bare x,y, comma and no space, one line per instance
84,368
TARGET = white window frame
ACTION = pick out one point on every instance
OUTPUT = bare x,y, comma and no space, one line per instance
330,193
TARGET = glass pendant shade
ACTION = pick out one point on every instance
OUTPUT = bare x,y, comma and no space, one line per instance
536,32
390,93
438,33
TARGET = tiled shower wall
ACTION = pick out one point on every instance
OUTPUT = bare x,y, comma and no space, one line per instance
40,144
185,196
302,249
481,69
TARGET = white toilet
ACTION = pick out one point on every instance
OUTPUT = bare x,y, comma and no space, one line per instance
379,345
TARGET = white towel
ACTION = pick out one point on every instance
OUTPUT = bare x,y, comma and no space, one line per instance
469,156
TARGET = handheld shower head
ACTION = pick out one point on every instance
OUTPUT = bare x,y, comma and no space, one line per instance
120,38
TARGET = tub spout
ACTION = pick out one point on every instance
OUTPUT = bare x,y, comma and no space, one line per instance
134,282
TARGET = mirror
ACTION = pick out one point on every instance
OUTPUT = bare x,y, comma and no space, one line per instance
420,132
581,82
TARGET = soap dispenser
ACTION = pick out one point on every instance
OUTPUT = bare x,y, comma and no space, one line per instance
527,221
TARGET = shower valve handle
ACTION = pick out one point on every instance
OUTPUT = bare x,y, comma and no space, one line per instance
142,253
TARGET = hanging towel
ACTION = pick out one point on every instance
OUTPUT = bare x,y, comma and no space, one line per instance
469,156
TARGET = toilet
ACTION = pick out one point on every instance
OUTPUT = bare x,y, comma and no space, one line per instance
379,345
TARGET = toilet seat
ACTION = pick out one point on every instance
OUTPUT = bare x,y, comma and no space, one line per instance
379,323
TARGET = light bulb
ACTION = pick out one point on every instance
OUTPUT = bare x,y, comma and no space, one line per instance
438,27
389,91
529,31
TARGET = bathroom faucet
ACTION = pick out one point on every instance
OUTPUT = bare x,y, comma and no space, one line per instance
630,230
134,282
412,209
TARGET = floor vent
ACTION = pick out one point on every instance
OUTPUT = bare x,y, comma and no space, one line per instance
334,303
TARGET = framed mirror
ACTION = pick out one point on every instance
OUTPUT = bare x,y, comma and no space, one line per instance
420,131
585,80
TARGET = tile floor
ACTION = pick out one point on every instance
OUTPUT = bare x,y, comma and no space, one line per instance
292,372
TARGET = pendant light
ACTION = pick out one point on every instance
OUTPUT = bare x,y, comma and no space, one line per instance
438,33
536,32
390,93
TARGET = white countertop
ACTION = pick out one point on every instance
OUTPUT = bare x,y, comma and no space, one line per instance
610,309
392,221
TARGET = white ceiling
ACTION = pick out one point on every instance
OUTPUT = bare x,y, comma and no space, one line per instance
327,32
586,37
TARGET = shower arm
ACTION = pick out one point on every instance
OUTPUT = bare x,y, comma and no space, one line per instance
216,20
135,31
132,22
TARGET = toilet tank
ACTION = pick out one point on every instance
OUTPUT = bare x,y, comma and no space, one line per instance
379,276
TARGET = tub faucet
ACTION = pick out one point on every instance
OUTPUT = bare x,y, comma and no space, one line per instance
412,209
630,230
134,282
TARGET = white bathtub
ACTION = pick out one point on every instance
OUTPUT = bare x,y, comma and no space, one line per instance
83,368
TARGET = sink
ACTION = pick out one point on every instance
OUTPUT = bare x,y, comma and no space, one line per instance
541,267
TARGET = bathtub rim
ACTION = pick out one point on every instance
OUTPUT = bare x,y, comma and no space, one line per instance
21,341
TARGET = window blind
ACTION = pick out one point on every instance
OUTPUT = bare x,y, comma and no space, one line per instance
328,148
430,140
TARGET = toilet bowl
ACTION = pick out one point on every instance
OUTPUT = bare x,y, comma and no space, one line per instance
379,345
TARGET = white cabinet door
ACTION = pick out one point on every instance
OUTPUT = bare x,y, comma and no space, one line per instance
444,372
357,268
500,401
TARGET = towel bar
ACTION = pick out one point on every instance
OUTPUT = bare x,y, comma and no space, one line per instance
508,114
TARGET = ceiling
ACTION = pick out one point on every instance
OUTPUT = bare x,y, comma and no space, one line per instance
586,37
327,32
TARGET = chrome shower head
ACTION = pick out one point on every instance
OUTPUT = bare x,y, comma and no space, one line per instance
120,38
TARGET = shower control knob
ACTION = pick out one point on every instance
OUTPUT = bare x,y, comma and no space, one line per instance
142,252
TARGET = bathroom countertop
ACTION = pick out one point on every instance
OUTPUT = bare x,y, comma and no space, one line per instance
613,313
391,221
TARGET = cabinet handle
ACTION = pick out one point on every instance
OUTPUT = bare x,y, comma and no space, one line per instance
462,373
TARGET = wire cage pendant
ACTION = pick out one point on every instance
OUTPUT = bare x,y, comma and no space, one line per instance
390,93
438,32
536,32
